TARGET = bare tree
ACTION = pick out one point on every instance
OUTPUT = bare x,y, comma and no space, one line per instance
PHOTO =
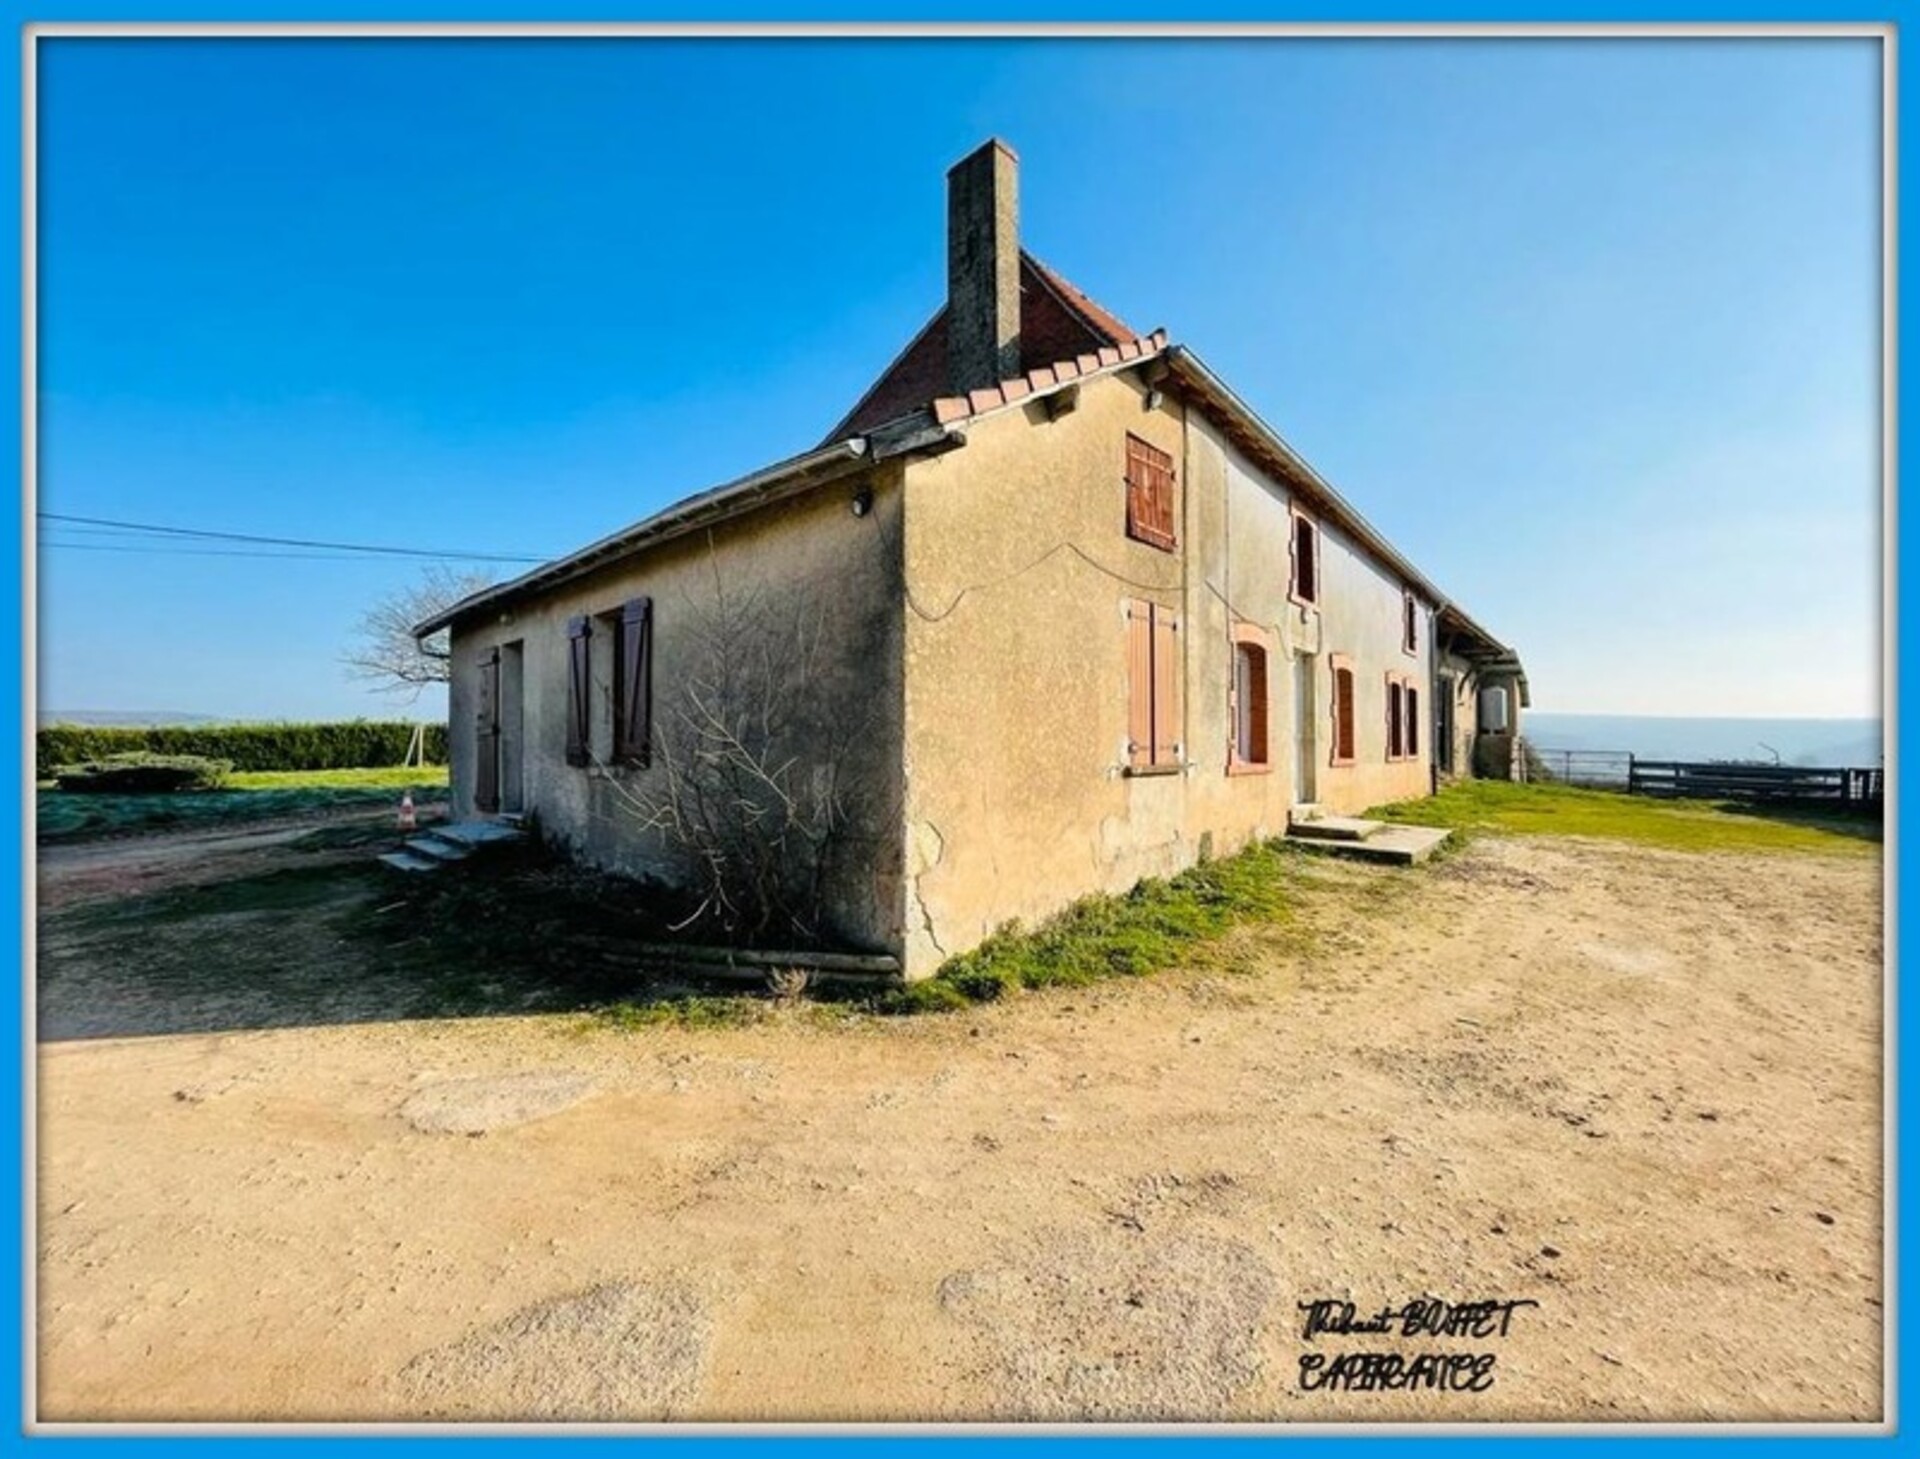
758,778
385,650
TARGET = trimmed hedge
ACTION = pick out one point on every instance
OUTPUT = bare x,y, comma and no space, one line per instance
142,774
343,745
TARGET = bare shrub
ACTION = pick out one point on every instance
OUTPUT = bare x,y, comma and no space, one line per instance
759,779
788,985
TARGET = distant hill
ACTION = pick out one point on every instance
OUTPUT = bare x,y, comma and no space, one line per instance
130,718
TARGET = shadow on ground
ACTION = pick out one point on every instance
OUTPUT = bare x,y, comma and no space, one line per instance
1855,825
329,936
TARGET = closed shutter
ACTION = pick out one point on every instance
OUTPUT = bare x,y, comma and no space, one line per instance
1139,685
1166,688
633,723
1413,722
1396,718
579,691
1342,715
486,757
1256,704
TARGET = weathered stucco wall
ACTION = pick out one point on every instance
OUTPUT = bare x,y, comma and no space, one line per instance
807,561
1017,794
1466,713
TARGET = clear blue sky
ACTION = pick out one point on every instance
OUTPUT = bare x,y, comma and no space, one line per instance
1590,329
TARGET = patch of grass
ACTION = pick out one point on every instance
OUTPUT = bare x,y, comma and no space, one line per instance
1146,930
65,816
696,1011
396,778
1679,825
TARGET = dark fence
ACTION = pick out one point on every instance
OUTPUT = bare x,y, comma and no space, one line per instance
1800,784
1605,769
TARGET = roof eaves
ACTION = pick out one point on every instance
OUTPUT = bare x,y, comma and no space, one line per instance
1044,380
782,479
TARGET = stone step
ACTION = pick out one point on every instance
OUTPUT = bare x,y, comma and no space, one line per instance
479,833
1395,845
439,847
407,861
1335,828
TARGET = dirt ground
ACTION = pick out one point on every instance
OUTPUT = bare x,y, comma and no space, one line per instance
1641,1089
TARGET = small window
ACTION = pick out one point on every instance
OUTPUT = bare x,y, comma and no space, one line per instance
1152,511
603,675
1153,689
1342,701
1413,722
1410,623
1304,586
1396,718
1249,700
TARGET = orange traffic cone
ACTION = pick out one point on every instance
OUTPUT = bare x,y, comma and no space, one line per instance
406,811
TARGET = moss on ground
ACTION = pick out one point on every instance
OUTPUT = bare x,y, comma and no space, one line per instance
1147,930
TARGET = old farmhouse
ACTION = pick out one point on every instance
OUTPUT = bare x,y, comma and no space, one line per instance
1050,610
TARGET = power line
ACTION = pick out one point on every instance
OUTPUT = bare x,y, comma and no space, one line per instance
185,551
364,547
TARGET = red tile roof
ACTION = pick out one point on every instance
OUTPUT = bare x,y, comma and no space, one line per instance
1057,322
947,409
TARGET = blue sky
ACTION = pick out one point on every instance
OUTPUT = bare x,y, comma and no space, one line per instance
1591,329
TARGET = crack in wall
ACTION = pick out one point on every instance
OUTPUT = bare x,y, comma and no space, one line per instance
927,864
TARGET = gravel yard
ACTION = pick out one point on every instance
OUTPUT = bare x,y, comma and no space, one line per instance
1640,1088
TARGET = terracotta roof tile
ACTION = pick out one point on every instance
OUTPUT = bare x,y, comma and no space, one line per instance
1057,322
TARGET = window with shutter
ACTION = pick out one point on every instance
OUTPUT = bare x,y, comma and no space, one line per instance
1413,722
633,685
1410,623
1342,707
1396,718
1153,689
579,690
1304,583
1248,701
1152,506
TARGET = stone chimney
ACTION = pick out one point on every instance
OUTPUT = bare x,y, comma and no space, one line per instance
983,268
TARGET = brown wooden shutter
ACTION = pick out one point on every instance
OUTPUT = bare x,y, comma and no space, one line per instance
579,691
1166,687
1139,685
1152,516
1256,704
486,751
633,725
1342,714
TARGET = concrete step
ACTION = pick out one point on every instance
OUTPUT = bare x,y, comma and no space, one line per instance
1335,828
1307,810
407,861
439,847
479,833
1395,845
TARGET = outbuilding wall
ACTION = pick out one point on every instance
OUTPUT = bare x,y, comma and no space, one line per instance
809,562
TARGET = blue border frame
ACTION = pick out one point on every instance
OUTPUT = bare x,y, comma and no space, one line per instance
1904,738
